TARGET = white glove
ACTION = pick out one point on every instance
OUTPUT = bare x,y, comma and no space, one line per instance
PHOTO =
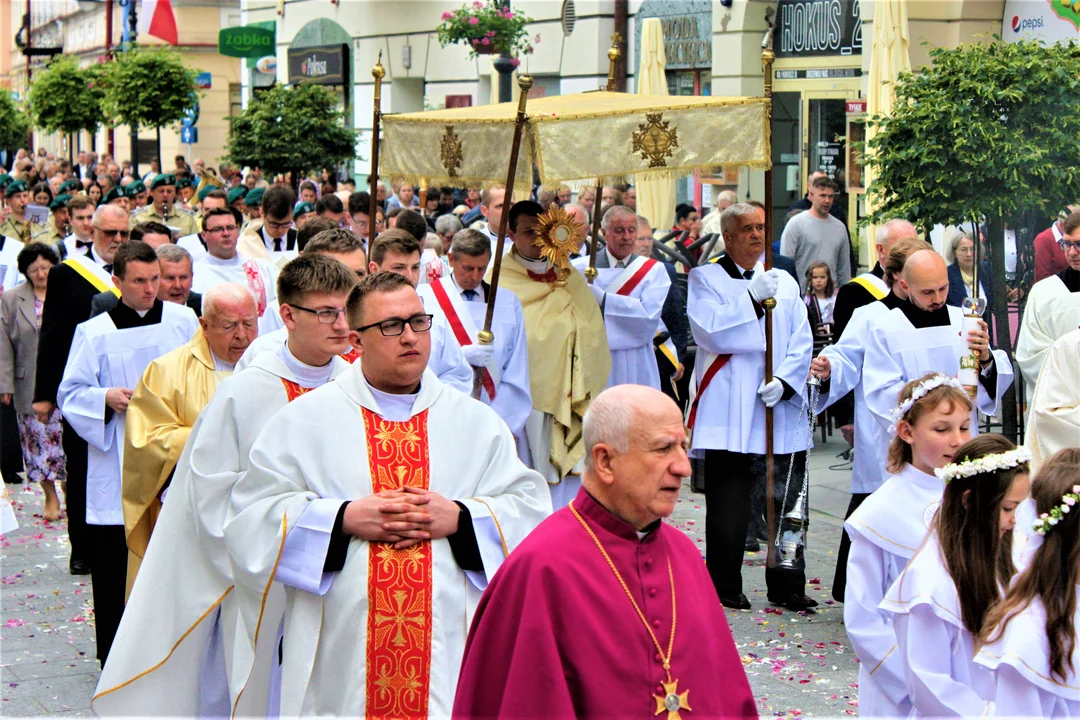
764,285
598,293
771,393
478,355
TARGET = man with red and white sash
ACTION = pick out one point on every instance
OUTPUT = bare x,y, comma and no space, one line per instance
430,498
631,291
729,396
461,298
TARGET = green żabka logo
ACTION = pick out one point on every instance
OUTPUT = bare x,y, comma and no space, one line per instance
246,42
1068,10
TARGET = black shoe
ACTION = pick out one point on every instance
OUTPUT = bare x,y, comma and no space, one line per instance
739,602
78,567
752,545
796,602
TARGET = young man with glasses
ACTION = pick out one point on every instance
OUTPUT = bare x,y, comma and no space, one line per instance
72,287
209,200
404,492
1053,307
222,263
188,560
273,237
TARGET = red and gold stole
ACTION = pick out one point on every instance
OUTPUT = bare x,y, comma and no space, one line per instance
399,581
293,390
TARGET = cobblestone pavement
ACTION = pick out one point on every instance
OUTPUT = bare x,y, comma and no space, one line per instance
799,664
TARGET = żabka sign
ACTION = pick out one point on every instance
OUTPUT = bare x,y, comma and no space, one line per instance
246,42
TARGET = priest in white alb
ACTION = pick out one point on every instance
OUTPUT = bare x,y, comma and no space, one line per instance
182,647
462,297
925,335
405,496
1054,411
1053,307
108,356
630,290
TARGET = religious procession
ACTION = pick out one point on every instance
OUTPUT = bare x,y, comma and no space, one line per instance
436,443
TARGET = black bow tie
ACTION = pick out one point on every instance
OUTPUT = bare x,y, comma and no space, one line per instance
80,244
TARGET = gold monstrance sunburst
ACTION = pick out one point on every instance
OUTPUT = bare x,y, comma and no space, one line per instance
558,234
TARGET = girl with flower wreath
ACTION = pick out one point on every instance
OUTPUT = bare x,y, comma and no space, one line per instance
1029,639
930,423
941,600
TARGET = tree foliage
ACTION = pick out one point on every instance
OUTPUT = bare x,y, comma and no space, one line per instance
66,98
291,129
986,131
148,87
14,124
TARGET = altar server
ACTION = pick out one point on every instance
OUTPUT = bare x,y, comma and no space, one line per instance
1053,307
183,617
461,297
560,635
108,356
373,503
1054,412
924,334
1030,638
931,421
941,599
631,291
729,396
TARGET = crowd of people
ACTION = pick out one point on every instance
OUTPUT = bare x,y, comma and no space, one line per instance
310,471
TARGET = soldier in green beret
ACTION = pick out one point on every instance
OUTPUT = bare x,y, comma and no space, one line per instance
185,193
115,196
163,209
137,195
57,228
17,226
71,187
253,201
301,213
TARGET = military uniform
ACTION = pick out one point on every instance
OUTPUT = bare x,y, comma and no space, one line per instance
185,220
50,235
22,230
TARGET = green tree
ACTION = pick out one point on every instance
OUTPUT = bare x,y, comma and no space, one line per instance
14,124
291,130
987,133
148,88
66,98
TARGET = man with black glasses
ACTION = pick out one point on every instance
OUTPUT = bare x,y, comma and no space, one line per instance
273,237
72,287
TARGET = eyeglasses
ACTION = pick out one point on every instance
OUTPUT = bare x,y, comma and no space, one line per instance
395,326
222,229
326,317
113,233
1066,246
279,225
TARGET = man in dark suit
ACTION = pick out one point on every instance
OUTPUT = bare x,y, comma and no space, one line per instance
73,284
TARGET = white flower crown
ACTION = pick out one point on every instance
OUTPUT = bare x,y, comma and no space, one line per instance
1047,521
920,390
985,464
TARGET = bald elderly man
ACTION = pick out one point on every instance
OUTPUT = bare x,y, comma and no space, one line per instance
564,634
925,335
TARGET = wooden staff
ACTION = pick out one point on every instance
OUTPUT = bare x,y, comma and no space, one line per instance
485,336
767,59
590,272
378,73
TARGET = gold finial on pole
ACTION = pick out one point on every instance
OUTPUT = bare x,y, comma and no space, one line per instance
613,59
377,72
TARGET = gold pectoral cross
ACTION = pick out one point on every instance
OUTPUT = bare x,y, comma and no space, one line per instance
672,700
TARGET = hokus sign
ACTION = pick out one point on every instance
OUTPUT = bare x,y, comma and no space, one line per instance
320,64
807,28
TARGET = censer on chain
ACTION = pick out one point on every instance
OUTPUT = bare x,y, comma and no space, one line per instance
790,537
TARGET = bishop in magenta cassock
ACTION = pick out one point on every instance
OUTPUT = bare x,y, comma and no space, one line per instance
623,621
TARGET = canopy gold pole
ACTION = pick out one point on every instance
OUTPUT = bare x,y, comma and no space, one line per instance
613,58
768,57
485,336
378,73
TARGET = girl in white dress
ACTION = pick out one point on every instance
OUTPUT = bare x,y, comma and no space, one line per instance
941,599
1030,636
931,422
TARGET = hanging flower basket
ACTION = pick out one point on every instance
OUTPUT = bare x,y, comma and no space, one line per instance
487,28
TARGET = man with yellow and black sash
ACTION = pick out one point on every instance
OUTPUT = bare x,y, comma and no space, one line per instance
17,226
72,287
569,358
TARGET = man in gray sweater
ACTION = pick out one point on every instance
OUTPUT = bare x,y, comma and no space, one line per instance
816,236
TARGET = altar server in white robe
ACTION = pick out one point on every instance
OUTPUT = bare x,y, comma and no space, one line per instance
1054,412
1053,307
397,251
926,335
631,291
1030,640
406,495
461,297
729,395
933,420
940,601
183,617
222,263
108,356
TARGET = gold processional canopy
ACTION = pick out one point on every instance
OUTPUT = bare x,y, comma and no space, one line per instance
580,139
